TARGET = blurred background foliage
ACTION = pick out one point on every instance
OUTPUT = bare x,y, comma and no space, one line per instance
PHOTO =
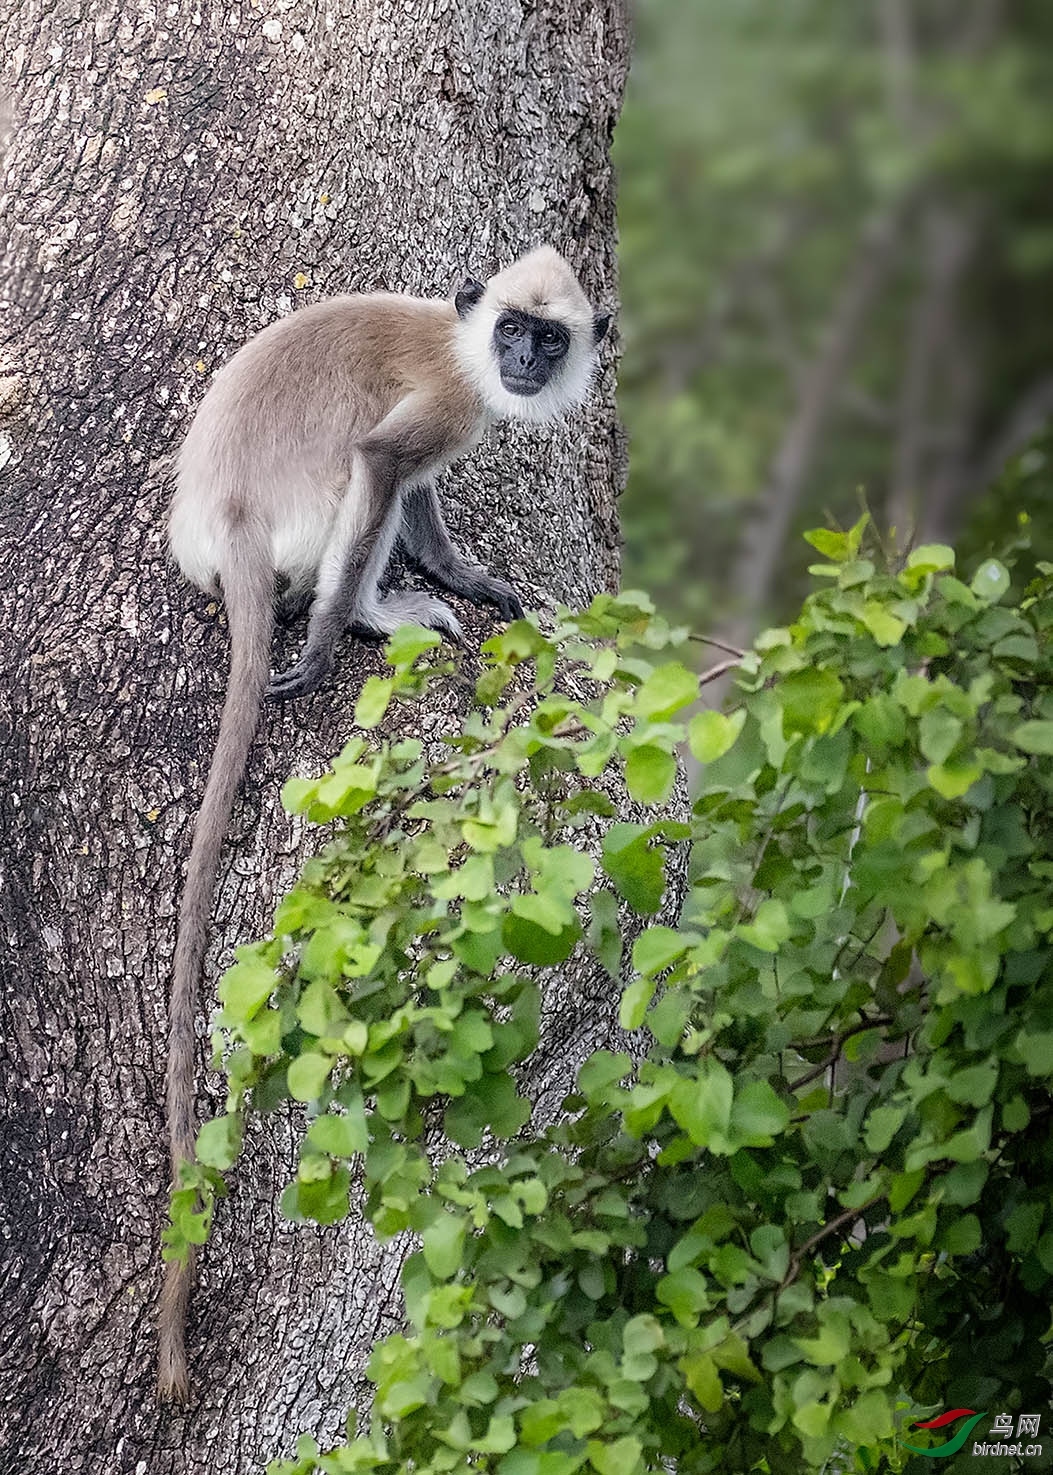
837,275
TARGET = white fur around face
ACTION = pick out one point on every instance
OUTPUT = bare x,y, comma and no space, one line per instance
566,389
544,284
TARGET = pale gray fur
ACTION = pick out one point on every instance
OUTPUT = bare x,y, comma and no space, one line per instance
314,448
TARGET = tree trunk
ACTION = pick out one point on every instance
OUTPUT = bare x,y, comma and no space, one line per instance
178,177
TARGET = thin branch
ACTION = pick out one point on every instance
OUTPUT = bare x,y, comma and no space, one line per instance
835,1054
720,669
732,650
831,1227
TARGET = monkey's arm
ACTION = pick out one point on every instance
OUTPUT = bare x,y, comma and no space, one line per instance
428,548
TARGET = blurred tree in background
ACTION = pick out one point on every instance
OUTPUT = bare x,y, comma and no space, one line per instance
837,258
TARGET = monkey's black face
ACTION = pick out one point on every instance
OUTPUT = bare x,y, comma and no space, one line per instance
529,350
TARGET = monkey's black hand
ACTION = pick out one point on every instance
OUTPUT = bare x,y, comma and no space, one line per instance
497,593
507,602
300,680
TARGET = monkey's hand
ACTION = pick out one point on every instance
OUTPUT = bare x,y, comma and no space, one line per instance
504,597
300,680
482,588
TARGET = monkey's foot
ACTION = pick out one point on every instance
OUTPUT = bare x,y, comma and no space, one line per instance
299,680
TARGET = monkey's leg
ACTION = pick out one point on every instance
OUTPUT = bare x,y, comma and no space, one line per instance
362,536
428,547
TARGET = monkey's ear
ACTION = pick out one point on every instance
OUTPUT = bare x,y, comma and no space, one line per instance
469,293
600,323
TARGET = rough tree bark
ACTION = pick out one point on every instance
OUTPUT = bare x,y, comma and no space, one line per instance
177,176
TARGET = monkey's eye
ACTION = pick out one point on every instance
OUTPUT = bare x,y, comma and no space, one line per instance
511,329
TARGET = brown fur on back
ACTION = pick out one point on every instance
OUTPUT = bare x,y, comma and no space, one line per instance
314,381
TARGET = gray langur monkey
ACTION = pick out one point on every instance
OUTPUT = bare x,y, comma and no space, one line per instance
314,449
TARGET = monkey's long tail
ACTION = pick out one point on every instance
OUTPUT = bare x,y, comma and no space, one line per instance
247,593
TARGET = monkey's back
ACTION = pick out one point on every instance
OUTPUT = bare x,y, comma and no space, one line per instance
269,450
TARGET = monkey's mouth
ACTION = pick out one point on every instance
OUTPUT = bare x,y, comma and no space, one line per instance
521,386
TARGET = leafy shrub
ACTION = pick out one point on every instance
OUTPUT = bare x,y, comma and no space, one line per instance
819,1204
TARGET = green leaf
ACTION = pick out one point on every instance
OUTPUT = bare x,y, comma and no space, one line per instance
623,1457
940,732
443,1245
962,1237
887,629
686,1294
531,943
769,929
263,1034
768,1244
758,1115
712,734
401,1398
702,1105
634,1001
883,1122
952,780
1022,1227
246,987
701,1376
1036,1051
373,700
831,1346
869,1418
339,1136
990,581
658,948
219,1142
491,1102
810,700
324,1198
931,556
839,547
665,691
522,1461
409,642
601,1070
549,910
308,1075
1034,737
975,1085
636,868
650,773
